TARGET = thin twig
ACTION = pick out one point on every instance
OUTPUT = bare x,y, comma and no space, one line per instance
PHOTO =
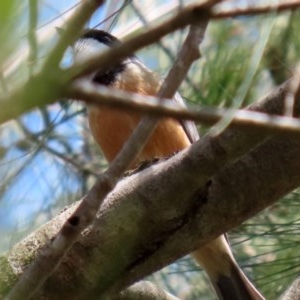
251,11
41,143
33,18
33,140
71,31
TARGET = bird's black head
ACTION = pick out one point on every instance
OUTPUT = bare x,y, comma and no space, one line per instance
94,41
100,36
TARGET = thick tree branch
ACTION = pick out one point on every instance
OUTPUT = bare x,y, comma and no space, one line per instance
122,249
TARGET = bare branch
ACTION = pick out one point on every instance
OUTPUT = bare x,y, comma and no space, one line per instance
242,119
250,11
33,16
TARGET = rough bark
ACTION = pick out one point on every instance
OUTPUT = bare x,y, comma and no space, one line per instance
142,224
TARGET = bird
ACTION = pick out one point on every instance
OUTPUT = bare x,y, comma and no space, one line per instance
111,128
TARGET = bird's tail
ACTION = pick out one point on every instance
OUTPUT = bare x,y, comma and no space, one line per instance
227,278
